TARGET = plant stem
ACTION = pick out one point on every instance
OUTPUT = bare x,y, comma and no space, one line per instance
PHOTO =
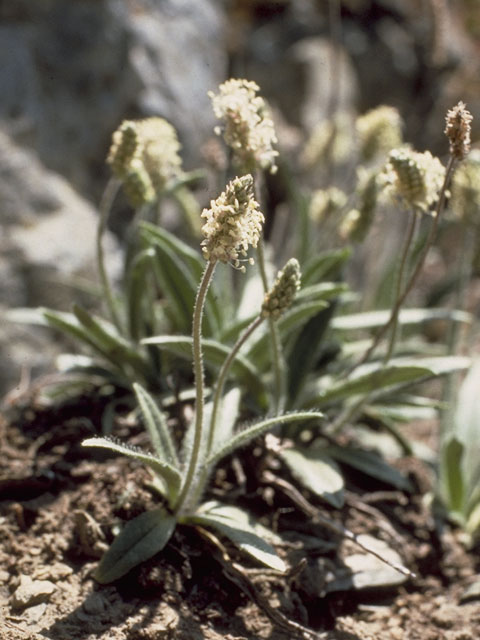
401,273
106,202
279,370
416,272
222,376
198,371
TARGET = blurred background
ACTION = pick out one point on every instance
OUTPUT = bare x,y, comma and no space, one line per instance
71,71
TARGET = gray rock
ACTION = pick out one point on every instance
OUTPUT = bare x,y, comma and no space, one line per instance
71,72
47,240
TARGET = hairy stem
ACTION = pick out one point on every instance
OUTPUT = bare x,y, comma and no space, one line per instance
108,197
198,371
222,376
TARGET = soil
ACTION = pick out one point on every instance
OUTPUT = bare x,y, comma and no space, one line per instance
60,505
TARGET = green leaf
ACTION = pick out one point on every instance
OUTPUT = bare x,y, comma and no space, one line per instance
369,463
116,348
214,354
373,319
156,424
139,300
247,534
322,291
139,540
380,378
227,416
177,286
194,264
323,265
291,321
452,476
241,438
317,472
466,426
169,474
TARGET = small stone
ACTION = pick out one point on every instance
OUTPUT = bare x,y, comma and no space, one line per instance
56,571
4,577
94,605
31,592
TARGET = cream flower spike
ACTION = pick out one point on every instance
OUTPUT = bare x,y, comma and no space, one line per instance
248,128
233,223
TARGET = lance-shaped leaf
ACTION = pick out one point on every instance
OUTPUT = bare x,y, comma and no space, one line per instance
373,319
453,477
369,463
324,265
321,291
317,472
373,377
139,295
139,540
214,354
291,322
244,436
237,525
165,471
106,337
177,285
193,264
156,424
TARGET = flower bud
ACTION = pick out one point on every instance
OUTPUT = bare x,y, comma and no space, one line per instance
458,130
282,294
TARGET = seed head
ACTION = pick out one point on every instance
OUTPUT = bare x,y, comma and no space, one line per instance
248,126
379,131
233,223
416,178
458,130
282,294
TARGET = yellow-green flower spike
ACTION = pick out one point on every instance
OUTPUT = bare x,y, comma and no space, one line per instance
415,178
138,186
358,221
145,156
458,130
283,292
233,223
248,126
378,131
123,149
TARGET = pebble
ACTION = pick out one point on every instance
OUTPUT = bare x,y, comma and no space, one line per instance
31,592
94,605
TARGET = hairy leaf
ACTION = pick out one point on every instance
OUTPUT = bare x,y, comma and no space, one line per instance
317,472
169,474
156,424
139,540
242,530
244,436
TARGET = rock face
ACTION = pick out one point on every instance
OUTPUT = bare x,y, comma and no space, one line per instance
70,73
48,238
